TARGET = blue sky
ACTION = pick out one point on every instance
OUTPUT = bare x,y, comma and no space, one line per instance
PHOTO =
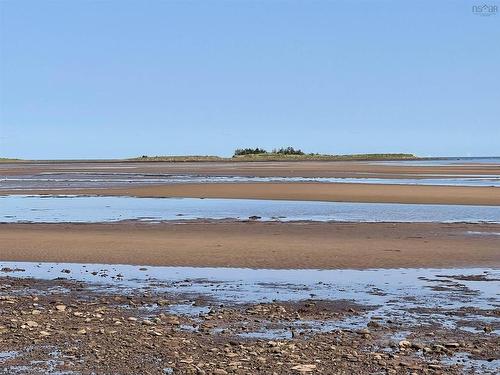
105,79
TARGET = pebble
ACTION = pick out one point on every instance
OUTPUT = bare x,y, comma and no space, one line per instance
404,344
61,308
304,368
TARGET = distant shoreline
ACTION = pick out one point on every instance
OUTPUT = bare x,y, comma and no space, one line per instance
254,158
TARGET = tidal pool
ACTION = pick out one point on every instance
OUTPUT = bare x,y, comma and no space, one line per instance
79,180
57,209
415,296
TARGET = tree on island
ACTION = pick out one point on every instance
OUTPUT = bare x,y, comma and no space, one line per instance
256,151
288,151
249,151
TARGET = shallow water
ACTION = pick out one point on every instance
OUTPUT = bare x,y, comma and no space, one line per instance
79,180
398,293
54,209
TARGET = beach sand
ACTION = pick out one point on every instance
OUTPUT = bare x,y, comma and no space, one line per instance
340,192
256,244
259,169
337,192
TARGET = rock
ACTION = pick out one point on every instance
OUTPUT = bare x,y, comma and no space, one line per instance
373,324
417,346
36,312
61,308
147,322
439,348
452,344
364,331
44,333
404,344
304,368
172,320
82,331
31,323
488,329
220,371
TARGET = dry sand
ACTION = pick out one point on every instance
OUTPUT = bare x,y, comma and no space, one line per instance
255,244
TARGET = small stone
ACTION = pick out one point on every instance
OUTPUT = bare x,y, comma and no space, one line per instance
82,331
404,344
304,368
488,329
373,324
439,348
172,320
61,308
31,323
364,331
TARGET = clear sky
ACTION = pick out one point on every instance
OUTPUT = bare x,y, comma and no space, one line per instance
104,79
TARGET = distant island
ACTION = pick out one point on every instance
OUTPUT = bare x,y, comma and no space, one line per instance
281,154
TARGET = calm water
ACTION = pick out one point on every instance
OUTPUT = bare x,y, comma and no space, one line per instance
53,209
99,180
243,285
392,292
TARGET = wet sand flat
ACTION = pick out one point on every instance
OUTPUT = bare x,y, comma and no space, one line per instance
262,168
342,192
256,244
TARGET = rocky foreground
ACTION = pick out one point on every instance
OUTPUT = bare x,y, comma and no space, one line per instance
66,327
